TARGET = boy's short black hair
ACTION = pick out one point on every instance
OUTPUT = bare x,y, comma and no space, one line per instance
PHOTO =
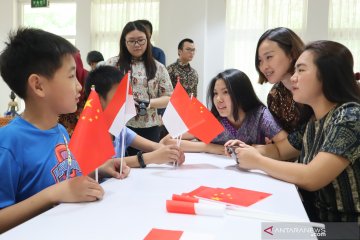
94,57
102,78
32,51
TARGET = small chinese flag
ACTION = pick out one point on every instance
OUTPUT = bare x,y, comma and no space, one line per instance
91,143
208,129
231,195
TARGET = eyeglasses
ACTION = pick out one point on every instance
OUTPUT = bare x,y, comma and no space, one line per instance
134,42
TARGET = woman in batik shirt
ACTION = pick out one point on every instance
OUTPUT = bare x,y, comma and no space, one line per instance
150,80
328,147
276,53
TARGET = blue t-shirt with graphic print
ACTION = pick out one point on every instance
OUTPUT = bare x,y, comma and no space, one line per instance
32,160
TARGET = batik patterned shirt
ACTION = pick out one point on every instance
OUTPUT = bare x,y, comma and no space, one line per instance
144,90
338,133
258,124
286,111
189,78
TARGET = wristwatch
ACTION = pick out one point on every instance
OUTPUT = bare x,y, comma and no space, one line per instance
141,159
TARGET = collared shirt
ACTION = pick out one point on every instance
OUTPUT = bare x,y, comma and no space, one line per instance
144,89
189,78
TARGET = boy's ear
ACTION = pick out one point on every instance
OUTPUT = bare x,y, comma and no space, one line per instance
36,85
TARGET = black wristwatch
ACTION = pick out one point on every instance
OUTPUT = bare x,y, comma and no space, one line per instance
141,159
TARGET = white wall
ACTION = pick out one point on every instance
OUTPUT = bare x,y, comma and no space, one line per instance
201,20
204,22
8,21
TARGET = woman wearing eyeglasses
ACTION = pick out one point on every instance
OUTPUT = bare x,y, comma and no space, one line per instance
150,80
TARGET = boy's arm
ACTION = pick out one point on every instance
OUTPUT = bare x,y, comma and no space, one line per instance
195,146
78,189
144,144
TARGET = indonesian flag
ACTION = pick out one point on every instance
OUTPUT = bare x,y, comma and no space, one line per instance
162,234
195,208
180,116
121,107
208,129
91,143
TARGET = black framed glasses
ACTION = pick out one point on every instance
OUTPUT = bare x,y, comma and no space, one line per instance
134,42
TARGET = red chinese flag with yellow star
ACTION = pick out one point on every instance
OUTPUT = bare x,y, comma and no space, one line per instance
209,128
231,195
90,143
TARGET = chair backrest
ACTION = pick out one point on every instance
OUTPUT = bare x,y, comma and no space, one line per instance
4,121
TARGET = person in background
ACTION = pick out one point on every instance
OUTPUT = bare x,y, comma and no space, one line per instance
93,58
106,79
276,52
157,53
150,80
328,146
70,120
233,102
181,69
34,155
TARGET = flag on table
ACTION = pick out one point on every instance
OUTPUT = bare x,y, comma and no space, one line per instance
179,115
91,143
231,195
186,207
121,107
209,128
162,234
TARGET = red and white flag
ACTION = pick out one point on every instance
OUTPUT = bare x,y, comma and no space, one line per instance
121,107
216,210
180,115
163,234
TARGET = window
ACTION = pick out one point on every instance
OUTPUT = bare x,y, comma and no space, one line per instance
108,18
52,18
344,26
247,20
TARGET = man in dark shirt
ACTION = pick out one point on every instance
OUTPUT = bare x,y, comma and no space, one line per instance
157,53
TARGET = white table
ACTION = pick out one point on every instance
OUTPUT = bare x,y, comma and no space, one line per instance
132,207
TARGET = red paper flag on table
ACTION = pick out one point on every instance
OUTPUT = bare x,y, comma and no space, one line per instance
209,128
162,234
91,143
232,195
121,107
179,115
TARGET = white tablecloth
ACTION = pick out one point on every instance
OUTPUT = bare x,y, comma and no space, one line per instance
132,207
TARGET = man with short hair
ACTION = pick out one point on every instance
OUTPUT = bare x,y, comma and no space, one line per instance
181,69
157,53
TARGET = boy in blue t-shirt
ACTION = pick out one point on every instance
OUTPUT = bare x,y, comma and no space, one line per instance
34,155
106,79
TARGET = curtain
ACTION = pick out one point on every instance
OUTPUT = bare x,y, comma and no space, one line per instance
247,20
108,18
344,26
